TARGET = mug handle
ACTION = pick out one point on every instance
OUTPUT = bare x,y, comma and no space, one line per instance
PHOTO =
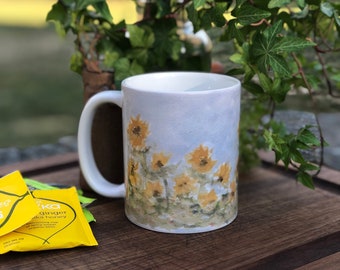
86,159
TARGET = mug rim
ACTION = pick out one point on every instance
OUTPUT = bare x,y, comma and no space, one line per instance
131,83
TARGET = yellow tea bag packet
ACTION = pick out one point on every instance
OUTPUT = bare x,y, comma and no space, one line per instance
59,224
17,205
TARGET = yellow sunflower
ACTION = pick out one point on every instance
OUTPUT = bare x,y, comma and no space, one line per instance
132,172
206,199
200,159
159,160
154,189
223,173
184,185
137,131
233,187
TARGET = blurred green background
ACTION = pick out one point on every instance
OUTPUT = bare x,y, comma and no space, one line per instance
40,98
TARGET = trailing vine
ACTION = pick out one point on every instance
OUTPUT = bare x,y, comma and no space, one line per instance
272,53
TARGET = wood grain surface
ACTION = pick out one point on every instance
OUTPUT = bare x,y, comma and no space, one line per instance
280,225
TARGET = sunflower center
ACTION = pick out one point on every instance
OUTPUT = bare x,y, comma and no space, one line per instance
136,130
159,164
183,184
203,162
156,193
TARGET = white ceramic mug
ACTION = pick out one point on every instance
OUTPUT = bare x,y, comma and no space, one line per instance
180,137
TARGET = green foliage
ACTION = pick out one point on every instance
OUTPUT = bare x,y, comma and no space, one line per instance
287,148
151,44
270,41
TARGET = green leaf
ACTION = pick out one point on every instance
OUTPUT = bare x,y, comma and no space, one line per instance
305,179
268,136
265,82
139,54
237,58
296,156
291,44
271,33
122,67
136,68
278,3
103,9
327,9
125,68
279,65
193,16
232,31
248,14
199,3
38,185
57,13
142,37
337,17
309,167
308,137
167,43
76,62
88,215
253,88
235,72
264,42
280,90
110,58
301,3
215,14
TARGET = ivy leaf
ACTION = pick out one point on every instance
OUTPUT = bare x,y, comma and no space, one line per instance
327,9
305,179
265,51
279,65
265,82
278,3
199,3
103,9
337,17
232,31
291,44
140,54
253,88
215,15
307,137
309,167
301,3
140,36
59,16
280,90
296,155
271,34
237,58
167,42
57,13
111,58
248,14
124,68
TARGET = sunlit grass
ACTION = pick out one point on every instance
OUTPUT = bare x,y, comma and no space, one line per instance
33,13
